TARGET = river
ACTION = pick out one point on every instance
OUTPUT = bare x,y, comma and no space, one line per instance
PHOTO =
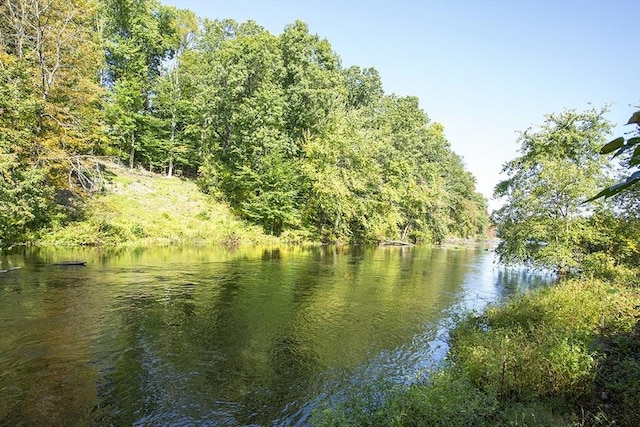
204,336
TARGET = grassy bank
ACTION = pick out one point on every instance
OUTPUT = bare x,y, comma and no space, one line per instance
140,208
567,355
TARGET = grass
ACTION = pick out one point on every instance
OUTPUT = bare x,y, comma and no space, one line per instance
141,209
567,355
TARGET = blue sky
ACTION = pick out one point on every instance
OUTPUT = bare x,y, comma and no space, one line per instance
484,69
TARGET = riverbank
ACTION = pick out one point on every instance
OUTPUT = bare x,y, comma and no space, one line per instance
557,356
139,208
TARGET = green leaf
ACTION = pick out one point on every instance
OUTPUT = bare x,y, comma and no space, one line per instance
635,118
604,193
617,188
613,145
635,158
633,141
621,150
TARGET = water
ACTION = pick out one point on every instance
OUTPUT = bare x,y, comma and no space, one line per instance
203,336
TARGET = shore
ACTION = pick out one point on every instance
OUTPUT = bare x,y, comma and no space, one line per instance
565,355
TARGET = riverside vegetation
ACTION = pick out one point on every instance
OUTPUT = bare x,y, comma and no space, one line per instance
138,208
566,355
272,138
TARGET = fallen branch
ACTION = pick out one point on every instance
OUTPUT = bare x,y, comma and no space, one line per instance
395,243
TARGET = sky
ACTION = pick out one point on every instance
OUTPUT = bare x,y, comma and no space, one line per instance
484,69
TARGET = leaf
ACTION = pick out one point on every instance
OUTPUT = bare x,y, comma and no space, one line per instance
632,180
634,141
635,158
606,193
613,145
635,118
621,150
615,189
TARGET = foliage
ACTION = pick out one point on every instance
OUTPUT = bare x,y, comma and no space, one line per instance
561,355
446,399
612,247
622,146
26,202
142,209
543,218
544,342
359,165
272,125
49,106
139,36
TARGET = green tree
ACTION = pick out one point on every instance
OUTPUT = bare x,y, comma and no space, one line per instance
364,87
312,81
169,103
543,218
248,157
139,37
343,181
49,106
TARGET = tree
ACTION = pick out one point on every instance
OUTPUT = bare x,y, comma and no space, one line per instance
49,106
364,87
51,46
139,37
312,81
543,217
344,191
169,102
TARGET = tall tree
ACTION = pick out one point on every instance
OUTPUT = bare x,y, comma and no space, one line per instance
345,196
248,156
543,217
311,80
49,105
169,102
53,42
140,35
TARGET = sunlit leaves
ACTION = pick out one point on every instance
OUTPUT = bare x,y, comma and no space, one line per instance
541,220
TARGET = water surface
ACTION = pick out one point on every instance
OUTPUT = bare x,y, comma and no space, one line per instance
204,336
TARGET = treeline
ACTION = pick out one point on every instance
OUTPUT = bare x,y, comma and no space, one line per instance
274,125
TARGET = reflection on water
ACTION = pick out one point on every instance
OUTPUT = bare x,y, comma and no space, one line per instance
204,336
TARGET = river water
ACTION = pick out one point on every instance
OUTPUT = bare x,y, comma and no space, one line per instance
204,336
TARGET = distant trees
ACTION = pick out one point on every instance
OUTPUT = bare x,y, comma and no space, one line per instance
274,125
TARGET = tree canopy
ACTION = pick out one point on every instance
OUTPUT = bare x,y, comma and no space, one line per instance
544,221
272,124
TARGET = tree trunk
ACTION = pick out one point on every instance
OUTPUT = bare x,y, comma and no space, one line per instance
406,229
132,153
174,122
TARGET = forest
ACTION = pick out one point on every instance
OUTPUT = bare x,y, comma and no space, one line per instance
272,125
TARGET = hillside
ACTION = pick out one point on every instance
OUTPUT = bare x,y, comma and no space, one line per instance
141,208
